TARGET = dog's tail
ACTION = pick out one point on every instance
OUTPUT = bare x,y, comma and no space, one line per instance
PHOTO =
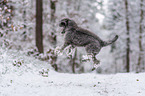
105,43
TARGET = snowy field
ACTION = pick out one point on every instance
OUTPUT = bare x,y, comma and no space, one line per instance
25,79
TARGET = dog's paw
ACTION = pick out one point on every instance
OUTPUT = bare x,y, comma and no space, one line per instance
58,51
86,58
96,62
95,66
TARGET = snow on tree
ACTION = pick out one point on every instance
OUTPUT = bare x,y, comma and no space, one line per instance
128,28
17,31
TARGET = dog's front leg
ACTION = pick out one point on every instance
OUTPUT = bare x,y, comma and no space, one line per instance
96,61
64,46
59,50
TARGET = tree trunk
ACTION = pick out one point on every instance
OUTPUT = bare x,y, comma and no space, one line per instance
138,68
73,59
128,38
52,36
39,25
24,17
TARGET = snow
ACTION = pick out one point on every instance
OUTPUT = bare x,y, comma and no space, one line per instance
26,80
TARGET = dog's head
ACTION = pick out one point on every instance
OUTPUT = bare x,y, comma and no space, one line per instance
67,23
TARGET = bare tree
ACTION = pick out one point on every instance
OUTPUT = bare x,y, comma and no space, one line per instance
39,25
52,35
128,37
138,68
24,18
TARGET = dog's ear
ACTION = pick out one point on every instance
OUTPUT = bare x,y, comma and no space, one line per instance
71,23
66,21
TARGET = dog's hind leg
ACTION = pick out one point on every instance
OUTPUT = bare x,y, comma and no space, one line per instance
94,49
95,61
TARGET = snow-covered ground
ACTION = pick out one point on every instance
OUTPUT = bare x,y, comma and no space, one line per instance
26,80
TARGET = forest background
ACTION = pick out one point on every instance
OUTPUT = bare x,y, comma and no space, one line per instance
32,26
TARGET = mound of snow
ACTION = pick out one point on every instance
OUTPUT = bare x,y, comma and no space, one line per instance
21,75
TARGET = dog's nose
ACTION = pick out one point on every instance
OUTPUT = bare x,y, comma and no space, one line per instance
61,24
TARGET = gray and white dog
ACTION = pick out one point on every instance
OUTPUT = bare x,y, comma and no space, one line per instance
77,36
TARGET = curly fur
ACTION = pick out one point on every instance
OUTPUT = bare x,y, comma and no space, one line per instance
77,36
